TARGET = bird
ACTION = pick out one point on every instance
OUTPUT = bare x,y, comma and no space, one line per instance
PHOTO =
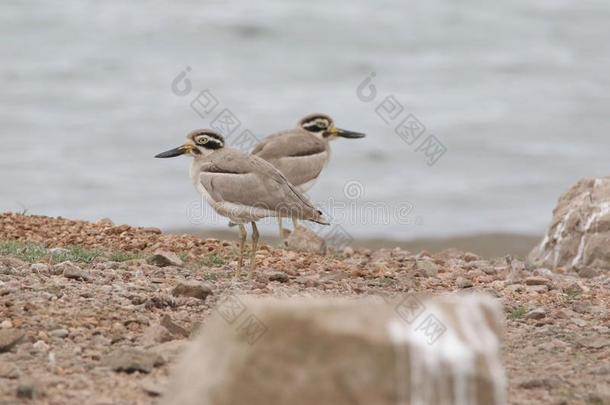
241,186
301,153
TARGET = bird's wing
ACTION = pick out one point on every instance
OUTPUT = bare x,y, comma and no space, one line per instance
238,178
299,155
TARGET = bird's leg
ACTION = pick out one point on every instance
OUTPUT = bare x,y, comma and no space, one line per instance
242,245
279,222
295,223
254,246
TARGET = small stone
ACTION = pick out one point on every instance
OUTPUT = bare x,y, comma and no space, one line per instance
588,273
173,327
305,240
348,251
9,338
470,257
537,313
130,360
462,282
40,267
537,281
6,324
279,276
41,346
29,389
192,289
537,288
59,333
72,271
428,268
8,370
57,250
155,334
163,258
154,388
573,288
105,222
594,342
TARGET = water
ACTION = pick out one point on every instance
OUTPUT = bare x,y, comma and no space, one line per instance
517,92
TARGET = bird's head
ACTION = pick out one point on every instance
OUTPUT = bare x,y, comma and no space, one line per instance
200,142
322,126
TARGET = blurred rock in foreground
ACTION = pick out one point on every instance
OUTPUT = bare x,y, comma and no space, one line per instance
579,235
340,351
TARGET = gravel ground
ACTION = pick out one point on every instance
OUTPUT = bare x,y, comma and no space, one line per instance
105,326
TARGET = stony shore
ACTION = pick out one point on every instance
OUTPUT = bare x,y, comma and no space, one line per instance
89,315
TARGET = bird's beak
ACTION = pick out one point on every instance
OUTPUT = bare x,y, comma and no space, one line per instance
344,133
180,150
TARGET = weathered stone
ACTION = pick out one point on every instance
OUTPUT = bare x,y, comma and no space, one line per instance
537,313
163,258
59,333
9,338
279,276
192,289
72,271
29,389
130,360
305,240
427,268
537,281
595,342
40,267
173,327
8,370
306,346
463,282
579,234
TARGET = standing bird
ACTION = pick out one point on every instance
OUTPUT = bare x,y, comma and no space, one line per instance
241,187
302,152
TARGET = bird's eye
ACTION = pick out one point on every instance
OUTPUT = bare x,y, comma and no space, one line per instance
202,140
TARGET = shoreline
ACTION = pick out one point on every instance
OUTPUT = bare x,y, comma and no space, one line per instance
488,245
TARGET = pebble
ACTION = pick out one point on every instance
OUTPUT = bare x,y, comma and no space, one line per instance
9,338
41,346
131,359
595,342
59,333
162,258
588,273
192,289
537,281
6,324
462,282
29,389
427,268
537,313
71,271
40,267
8,370
279,276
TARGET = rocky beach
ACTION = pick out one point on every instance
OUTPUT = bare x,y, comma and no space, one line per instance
96,313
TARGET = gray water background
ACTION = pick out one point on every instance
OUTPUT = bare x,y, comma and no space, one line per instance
518,92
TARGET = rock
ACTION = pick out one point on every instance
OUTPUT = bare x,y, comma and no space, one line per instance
462,282
72,271
168,351
41,346
163,258
152,387
537,281
6,324
588,273
470,257
8,370
40,267
29,389
537,313
305,240
573,288
595,342
9,338
59,333
155,334
279,276
306,347
130,360
579,234
173,327
540,289
192,289
427,268
57,250
105,222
